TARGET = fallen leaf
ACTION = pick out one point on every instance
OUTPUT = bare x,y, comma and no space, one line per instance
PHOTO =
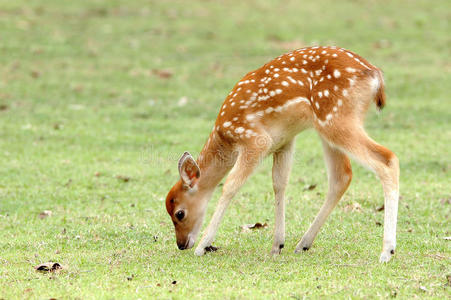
35,74
3,107
355,207
310,187
45,214
130,278
165,74
445,200
378,223
123,178
48,267
380,208
249,227
211,249
97,174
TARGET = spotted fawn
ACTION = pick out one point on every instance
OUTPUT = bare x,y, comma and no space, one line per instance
325,88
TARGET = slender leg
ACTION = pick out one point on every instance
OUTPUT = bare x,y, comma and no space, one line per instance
386,166
283,159
339,175
247,160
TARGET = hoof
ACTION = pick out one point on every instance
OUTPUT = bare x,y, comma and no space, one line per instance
277,249
386,256
199,251
303,245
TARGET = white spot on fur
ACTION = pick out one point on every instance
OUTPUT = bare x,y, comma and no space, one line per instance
326,93
239,130
227,124
339,102
337,74
350,70
284,83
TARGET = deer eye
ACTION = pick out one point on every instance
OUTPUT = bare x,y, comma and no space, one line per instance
180,215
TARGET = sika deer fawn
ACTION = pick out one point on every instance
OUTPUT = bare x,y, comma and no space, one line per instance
327,88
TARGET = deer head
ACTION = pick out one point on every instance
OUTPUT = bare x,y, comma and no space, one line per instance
185,203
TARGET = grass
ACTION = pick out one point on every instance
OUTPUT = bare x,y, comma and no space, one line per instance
91,130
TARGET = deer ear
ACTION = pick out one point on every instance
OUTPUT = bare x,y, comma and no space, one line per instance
189,170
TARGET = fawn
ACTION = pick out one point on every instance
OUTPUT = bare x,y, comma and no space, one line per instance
327,88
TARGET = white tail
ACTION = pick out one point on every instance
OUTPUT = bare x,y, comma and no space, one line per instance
327,88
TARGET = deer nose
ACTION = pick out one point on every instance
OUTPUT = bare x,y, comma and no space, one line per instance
181,247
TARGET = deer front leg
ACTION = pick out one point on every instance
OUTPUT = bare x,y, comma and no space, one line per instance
283,159
247,160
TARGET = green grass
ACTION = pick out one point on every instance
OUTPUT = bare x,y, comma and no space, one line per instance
82,103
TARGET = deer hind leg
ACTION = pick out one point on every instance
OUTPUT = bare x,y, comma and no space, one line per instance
339,174
248,159
385,164
283,159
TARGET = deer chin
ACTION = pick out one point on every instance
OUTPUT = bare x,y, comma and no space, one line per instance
191,242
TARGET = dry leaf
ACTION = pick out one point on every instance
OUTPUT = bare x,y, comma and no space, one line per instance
211,249
355,207
445,200
249,227
165,74
3,107
310,187
35,74
45,214
48,267
380,208
123,178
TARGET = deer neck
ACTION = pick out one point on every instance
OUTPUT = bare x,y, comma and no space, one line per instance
215,161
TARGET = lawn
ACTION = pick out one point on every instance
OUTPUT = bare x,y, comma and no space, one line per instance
98,100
